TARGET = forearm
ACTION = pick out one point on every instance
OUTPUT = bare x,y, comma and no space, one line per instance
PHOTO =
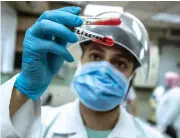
17,100
14,108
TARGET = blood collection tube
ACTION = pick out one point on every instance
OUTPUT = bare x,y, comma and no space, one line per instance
94,36
101,21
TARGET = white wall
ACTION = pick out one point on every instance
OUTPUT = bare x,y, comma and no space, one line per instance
8,37
169,59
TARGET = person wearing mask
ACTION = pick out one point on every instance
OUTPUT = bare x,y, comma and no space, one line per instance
168,108
100,82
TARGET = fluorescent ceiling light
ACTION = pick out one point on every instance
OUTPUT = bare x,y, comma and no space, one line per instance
166,17
93,10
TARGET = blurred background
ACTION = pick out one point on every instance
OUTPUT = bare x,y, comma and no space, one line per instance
162,20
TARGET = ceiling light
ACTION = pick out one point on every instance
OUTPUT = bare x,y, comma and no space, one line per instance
166,17
93,10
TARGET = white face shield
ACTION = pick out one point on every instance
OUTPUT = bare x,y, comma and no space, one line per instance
130,34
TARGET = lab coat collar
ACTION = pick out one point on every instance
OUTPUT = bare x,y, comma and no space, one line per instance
70,122
125,127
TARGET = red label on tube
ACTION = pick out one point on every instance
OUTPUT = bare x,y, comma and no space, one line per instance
105,41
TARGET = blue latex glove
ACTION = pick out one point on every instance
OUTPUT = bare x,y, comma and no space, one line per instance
45,50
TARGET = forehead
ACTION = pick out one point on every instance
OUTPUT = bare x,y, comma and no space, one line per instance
113,49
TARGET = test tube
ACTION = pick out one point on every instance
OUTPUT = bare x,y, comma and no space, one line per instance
101,21
94,36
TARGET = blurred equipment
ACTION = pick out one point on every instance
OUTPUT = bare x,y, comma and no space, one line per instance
8,37
139,80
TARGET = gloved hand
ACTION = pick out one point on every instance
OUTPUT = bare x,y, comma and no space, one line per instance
45,50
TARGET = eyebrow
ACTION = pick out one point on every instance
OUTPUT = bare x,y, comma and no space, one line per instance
96,48
124,55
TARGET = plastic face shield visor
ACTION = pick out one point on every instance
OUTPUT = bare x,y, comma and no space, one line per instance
130,34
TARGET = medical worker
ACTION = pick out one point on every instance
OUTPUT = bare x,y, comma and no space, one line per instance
156,96
168,109
100,82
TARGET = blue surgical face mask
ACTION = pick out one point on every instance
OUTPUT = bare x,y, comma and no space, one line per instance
99,85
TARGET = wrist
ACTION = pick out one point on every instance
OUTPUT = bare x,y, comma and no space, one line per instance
30,88
19,96
17,100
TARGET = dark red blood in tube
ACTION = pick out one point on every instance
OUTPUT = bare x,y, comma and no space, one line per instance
110,22
105,41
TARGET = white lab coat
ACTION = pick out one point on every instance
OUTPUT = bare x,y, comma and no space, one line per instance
68,123
168,110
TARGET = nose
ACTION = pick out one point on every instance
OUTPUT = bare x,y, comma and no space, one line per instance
108,59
